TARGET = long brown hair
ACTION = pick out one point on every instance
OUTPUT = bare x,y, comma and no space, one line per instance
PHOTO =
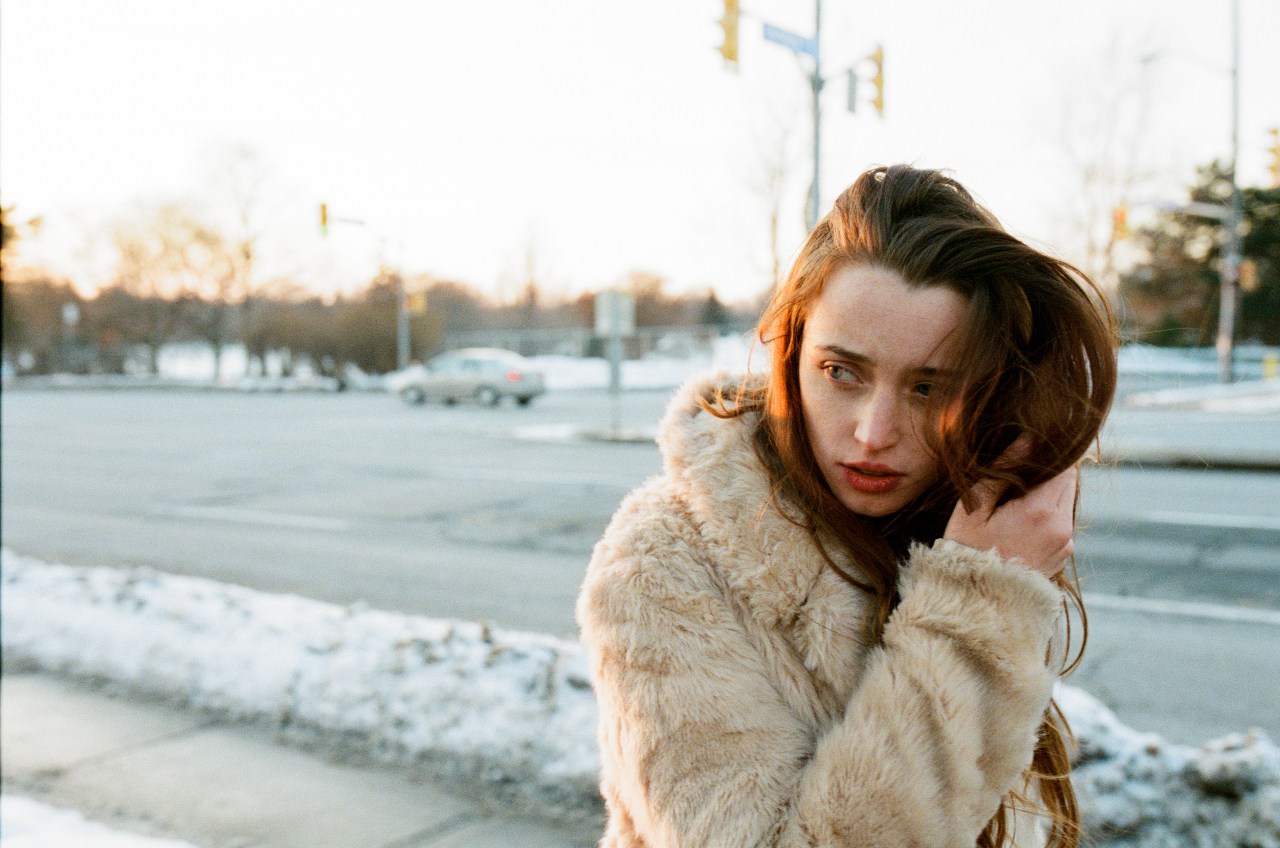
1038,357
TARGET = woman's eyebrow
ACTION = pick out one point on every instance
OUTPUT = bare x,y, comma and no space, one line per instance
844,353
861,359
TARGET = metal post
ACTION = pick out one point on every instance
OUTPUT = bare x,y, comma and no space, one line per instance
615,385
1230,272
402,323
815,191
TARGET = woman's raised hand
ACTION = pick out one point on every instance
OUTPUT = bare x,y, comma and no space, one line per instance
1035,529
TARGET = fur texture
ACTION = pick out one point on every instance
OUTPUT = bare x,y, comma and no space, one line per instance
740,704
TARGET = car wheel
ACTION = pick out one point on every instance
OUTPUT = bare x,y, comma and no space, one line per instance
488,396
414,395
524,401
450,401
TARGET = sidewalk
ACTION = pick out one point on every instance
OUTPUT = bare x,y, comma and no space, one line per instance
147,767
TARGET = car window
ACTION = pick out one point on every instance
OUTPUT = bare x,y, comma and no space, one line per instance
445,364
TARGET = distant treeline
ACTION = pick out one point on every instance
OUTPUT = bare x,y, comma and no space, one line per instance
49,327
179,276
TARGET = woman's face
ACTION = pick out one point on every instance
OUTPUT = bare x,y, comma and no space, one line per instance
873,350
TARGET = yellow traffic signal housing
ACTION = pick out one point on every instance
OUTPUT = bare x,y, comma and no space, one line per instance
1248,275
1274,149
729,23
1120,223
324,219
416,303
877,78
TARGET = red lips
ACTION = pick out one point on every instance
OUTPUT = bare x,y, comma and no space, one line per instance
872,478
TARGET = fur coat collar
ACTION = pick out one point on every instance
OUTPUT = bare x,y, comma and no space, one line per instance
763,550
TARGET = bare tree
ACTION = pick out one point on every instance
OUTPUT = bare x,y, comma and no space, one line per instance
773,171
163,260
1102,133
236,202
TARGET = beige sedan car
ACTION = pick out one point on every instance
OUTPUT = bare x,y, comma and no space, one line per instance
479,374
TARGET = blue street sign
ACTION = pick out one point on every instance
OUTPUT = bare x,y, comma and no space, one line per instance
795,43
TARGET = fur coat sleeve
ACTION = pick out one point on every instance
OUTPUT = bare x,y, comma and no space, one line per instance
720,726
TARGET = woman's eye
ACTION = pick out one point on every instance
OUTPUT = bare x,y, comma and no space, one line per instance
839,374
923,389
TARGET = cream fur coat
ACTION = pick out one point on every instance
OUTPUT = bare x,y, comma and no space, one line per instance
739,704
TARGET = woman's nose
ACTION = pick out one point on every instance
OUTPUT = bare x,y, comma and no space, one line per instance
877,426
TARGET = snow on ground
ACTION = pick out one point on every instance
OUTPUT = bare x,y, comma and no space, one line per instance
508,707
1259,397
29,824
738,354
499,706
1191,372
735,354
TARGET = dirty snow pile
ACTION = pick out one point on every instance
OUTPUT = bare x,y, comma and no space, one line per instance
1138,790
498,706
514,709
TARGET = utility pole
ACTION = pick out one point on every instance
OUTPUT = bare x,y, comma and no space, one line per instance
1230,271
815,81
812,47
402,306
402,321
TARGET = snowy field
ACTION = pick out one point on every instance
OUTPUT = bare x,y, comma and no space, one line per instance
511,708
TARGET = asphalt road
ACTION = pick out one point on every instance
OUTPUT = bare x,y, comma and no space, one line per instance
477,512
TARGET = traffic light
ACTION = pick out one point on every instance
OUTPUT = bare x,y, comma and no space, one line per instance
877,79
1120,223
324,219
729,23
1248,275
1274,150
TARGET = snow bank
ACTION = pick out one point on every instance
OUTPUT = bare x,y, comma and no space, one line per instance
1138,790
500,706
516,708
735,354
1256,397
1174,361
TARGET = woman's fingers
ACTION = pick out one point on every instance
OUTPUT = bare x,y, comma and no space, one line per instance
1036,528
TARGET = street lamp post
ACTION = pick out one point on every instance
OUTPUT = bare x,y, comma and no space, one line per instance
815,191
402,307
1231,215
1230,272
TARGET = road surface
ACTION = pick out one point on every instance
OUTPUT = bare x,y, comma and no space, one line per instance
490,513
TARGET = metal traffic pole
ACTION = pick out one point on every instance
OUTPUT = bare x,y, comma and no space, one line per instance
812,47
815,191
402,316
1230,272
402,308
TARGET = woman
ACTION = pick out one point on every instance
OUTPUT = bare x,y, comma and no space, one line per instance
829,621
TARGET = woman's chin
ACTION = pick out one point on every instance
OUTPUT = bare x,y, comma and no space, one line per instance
873,506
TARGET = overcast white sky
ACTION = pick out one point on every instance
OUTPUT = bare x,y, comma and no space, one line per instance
607,135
